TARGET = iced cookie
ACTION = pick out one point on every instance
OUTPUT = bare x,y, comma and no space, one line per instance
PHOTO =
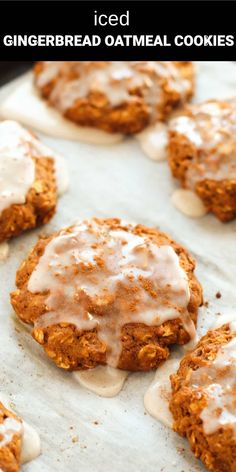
10,440
19,442
203,401
28,181
121,97
202,156
106,292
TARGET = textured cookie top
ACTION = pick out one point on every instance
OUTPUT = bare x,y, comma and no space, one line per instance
118,82
18,148
102,274
210,128
217,380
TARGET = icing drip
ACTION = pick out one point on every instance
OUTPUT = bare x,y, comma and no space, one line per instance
188,203
31,447
102,380
156,398
4,251
153,141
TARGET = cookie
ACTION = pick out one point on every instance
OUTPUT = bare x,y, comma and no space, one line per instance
107,292
118,97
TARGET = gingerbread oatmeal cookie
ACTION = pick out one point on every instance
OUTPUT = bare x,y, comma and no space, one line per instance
203,399
107,292
10,440
121,97
202,154
28,192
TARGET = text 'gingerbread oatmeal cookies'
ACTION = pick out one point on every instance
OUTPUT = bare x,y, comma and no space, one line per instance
203,401
202,154
29,180
10,440
117,97
106,292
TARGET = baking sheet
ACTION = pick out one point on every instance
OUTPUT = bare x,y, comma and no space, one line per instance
79,430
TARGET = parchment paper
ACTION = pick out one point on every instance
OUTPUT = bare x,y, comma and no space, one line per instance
79,430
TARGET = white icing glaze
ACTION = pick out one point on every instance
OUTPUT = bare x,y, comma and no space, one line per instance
217,381
102,380
8,428
31,446
24,105
115,80
4,251
211,127
153,141
186,126
62,176
17,168
156,398
188,203
114,271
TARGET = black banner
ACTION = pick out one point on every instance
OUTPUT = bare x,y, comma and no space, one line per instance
118,30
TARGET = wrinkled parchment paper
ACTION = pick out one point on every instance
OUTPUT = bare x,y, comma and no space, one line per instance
80,431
